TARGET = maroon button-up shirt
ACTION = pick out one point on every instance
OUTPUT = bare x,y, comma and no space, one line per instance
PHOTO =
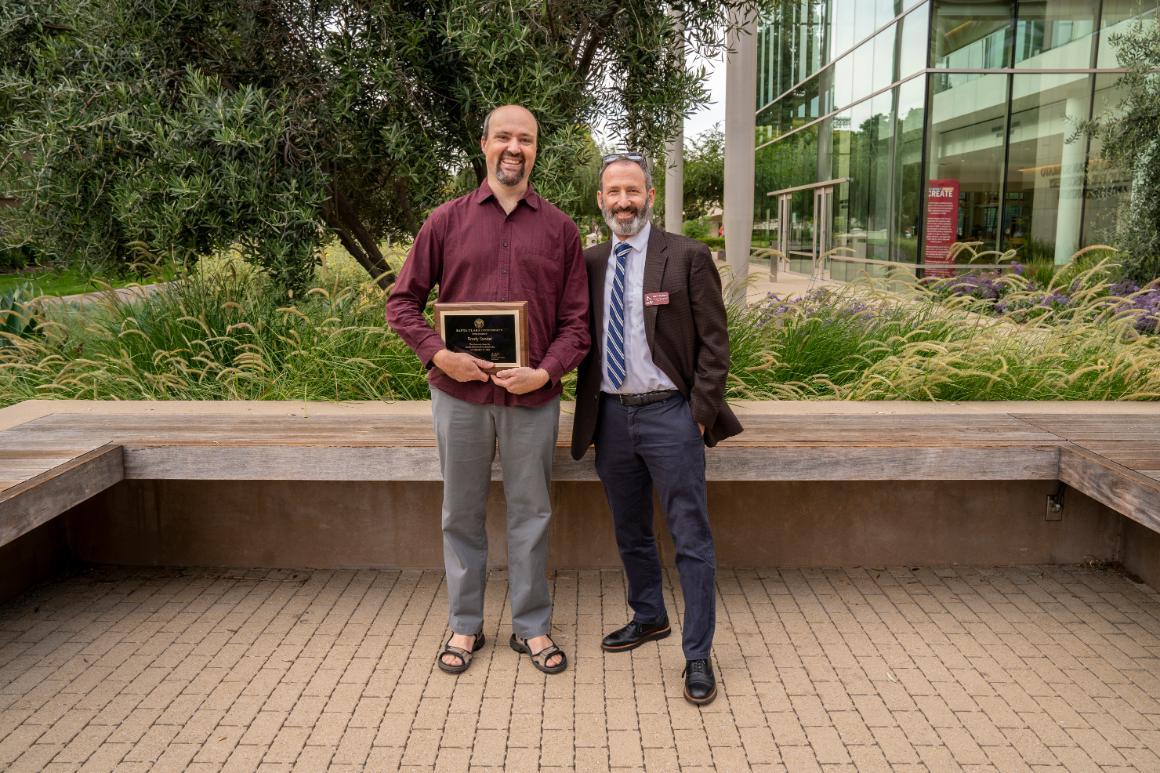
475,251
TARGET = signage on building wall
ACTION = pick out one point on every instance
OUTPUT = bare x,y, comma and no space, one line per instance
942,220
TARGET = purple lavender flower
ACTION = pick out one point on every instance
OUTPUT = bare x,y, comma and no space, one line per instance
1145,306
1123,287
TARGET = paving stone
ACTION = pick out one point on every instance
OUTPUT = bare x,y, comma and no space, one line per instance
1032,668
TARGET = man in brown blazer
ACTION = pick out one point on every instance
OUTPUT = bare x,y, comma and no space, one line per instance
650,396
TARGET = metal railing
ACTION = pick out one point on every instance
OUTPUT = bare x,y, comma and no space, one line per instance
820,265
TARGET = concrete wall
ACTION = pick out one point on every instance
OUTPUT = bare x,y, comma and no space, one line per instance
301,524
39,555
305,524
1140,552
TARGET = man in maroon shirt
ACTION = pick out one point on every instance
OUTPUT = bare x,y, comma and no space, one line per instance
502,242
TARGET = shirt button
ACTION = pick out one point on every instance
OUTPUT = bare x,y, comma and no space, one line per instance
505,244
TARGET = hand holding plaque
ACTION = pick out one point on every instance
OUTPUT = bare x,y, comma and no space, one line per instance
496,332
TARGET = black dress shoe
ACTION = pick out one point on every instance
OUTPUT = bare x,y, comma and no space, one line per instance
635,634
700,684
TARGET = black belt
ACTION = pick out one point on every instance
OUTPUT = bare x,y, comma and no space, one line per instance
643,398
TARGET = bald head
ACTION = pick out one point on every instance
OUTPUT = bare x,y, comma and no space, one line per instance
518,111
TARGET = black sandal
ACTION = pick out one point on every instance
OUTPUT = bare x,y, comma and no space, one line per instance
540,659
458,652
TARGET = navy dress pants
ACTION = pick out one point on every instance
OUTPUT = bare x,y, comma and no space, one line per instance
659,444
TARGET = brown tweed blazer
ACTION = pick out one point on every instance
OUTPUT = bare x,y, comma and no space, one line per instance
688,336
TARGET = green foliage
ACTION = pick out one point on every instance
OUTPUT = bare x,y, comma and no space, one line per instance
71,281
14,258
228,332
696,229
586,183
864,342
1131,137
704,174
18,315
176,129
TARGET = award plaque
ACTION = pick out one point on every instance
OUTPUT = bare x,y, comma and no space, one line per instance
495,331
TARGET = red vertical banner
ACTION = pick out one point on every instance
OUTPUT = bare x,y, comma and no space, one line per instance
942,223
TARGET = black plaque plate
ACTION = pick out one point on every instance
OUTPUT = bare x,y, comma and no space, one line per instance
496,331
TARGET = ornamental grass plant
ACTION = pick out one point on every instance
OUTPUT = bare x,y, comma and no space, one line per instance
226,333
863,342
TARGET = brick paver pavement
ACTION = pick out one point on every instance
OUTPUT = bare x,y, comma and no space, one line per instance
940,669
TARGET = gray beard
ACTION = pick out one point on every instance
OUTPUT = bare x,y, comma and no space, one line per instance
635,226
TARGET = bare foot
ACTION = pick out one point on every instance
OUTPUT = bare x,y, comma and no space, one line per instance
538,643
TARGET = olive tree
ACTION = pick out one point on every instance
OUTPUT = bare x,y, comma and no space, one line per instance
170,129
1130,136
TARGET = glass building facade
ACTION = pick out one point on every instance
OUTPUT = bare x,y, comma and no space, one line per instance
868,107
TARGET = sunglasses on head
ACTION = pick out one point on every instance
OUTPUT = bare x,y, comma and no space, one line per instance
631,156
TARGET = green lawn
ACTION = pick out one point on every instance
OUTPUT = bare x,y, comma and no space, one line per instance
72,282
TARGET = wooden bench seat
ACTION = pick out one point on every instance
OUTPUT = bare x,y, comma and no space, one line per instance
54,460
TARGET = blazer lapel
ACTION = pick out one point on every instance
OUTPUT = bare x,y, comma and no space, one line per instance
654,271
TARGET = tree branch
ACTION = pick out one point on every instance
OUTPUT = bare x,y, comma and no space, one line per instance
598,27
355,237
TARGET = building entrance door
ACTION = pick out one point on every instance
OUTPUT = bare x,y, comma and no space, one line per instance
823,229
805,225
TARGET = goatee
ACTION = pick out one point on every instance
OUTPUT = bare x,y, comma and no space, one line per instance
507,177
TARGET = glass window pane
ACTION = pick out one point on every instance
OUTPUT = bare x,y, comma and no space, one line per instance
766,125
972,33
764,66
1119,15
912,50
863,71
844,81
1109,186
1042,215
789,162
855,201
802,105
839,144
884,58
801,240
792,46
879,135
885,10
863,19
826,90
841,27
1055,34
907,185
966,144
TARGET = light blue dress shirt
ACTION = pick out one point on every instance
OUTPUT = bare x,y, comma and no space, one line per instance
642,373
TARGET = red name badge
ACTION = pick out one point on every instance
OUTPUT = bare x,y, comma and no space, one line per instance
656,299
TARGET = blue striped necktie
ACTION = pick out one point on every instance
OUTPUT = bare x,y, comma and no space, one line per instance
614,344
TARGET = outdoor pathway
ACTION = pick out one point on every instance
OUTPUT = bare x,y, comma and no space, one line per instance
788,284
1011,669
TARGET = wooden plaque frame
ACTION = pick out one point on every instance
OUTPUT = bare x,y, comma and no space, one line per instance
458,323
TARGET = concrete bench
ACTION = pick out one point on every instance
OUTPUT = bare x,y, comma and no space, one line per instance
55,457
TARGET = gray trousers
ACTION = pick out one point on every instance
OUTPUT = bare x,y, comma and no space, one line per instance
467,435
